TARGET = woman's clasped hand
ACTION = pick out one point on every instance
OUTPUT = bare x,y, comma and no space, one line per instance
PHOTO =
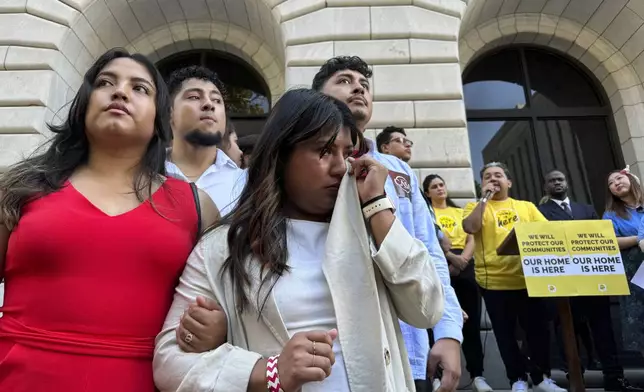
307,357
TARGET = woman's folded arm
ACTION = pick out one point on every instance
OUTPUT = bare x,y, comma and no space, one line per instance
226,368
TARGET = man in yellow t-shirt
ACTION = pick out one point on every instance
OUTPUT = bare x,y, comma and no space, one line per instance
502,282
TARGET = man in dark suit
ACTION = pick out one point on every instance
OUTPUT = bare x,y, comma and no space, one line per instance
596,310
559,206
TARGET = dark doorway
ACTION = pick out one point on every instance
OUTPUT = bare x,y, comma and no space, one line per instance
536,110
248,97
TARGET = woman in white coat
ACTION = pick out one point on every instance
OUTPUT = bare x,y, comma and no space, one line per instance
312,270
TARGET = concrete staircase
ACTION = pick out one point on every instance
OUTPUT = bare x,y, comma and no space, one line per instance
495,370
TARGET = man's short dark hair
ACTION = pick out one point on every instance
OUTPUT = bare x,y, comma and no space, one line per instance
340,63
556,170
179,76
230,129
384,137
500,165
247,143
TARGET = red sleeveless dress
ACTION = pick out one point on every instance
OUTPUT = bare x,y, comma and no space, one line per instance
87,293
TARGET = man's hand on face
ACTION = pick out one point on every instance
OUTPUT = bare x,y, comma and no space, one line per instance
492,188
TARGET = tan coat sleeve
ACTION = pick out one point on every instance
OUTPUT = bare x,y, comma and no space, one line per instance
411,278
227,368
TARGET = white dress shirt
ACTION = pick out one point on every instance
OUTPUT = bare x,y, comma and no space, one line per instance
560,202
223,181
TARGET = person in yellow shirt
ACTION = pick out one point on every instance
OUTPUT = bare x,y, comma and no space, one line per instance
461,266
502,282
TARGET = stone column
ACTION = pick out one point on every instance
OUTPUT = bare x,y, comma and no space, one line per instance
46,46
413,49
37,76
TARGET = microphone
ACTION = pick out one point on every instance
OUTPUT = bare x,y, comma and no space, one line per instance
487,196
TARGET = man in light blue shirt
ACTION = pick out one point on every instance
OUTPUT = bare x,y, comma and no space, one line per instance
347,79
393,141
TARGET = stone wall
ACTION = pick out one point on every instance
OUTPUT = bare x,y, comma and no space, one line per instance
412,46
415,47
46,45
36,75
606,36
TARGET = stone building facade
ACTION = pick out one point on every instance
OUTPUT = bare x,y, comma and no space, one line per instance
420,51
46,45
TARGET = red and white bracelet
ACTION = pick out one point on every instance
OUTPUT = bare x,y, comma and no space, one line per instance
272,375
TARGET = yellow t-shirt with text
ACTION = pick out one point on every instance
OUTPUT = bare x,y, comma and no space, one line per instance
450,220
496,272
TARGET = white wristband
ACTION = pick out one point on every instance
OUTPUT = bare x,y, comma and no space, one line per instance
379,205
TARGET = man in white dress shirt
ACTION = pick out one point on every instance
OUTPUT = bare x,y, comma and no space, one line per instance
198,124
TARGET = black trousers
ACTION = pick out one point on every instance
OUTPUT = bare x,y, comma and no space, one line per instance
467,292
422,385
595,311
507,307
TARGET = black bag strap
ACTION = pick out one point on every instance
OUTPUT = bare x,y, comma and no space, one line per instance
195,194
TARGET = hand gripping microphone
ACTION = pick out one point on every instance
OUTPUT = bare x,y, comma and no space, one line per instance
487,196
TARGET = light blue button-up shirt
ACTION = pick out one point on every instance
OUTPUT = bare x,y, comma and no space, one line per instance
403,189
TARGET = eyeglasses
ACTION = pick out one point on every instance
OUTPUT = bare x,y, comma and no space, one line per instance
402,140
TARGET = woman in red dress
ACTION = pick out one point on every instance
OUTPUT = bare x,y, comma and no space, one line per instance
93,239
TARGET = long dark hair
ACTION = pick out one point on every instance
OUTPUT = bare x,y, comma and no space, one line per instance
615,204
257,226
46,172
428,181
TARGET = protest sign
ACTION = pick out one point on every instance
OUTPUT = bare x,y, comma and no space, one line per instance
571,258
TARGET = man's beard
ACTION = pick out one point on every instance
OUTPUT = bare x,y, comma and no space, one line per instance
201,138
559,195
359,115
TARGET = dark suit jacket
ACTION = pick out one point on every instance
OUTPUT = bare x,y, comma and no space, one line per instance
553,212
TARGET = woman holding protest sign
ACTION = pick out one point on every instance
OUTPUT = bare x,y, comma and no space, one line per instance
625,208
461,265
